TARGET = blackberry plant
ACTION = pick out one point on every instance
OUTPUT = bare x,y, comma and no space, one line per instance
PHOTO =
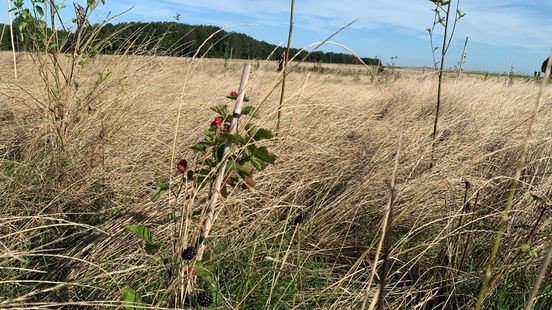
227,158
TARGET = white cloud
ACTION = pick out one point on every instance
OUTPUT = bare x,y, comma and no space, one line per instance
521,23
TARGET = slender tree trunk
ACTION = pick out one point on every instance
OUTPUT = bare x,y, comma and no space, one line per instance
286,60
440,86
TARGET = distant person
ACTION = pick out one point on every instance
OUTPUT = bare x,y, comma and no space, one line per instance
281,60
544,65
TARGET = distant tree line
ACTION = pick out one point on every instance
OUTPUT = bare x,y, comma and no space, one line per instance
176,39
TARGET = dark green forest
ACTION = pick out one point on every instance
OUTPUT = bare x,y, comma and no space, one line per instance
176,39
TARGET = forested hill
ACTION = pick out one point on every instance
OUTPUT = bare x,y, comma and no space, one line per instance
176,39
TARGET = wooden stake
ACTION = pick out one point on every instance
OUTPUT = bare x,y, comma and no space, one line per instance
215,192
2,35
462,59
12,41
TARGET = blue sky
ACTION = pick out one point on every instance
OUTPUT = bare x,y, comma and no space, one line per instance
500,31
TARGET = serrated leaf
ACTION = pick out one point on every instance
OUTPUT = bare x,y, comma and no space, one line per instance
205,272
233,137
232,165
221,110
263,134
131,299
217,297
258,164
250,111
141,232
219,152
246,169
199,147
263,154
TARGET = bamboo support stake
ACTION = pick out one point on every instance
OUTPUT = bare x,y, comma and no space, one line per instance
462,59
215,193
2,35
12,41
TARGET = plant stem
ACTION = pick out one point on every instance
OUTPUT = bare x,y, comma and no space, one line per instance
286,60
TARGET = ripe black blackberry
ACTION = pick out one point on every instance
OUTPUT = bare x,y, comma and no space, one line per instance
204,298
189,254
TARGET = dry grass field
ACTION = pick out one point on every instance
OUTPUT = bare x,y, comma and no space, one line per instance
305,237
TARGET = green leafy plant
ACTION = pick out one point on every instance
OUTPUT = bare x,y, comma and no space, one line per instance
60,51
246,158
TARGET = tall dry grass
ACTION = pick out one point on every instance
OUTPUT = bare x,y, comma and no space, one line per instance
306,236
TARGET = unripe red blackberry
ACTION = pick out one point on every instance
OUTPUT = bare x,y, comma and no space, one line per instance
189,254
182,165
204,298
218,122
